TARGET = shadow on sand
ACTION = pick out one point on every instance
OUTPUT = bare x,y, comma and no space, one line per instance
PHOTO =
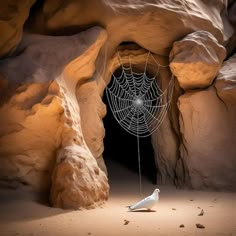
143,211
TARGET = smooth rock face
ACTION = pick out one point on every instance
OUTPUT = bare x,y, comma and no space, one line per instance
196,60
92,111
166,141
207,124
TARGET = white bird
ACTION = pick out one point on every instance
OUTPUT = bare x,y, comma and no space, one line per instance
147,202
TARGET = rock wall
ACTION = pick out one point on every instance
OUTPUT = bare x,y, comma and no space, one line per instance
207,117
152,24
208,127
51,134
92,112
29,134
13,15
42,145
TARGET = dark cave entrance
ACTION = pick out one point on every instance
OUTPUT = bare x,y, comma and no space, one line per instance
121,147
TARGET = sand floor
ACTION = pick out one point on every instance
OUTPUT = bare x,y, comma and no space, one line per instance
22,214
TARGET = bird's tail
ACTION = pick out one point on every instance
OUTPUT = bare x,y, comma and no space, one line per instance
130,207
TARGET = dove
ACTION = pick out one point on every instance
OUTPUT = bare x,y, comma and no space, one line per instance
147,202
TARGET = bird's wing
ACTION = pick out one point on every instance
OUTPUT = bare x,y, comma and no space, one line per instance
147,202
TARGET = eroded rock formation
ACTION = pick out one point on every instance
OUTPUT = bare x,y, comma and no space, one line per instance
42,144
51,88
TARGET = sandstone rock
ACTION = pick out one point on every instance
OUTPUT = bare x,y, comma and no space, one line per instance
196,60
27,151
36,119
138,57
92,112
153,24
225,82
13,15
165,143
207,124
77,181
50,92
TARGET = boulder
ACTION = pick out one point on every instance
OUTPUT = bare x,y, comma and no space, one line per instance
196,60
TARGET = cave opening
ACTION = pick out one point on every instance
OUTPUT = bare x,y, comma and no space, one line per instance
120,147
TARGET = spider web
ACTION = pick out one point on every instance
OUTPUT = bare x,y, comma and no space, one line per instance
138,103
136,100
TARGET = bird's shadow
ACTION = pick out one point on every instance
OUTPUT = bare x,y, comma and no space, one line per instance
144,211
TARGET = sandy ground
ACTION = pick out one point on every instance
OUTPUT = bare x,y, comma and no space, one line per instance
22,214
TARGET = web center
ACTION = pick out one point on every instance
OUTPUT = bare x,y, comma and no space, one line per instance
138,102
